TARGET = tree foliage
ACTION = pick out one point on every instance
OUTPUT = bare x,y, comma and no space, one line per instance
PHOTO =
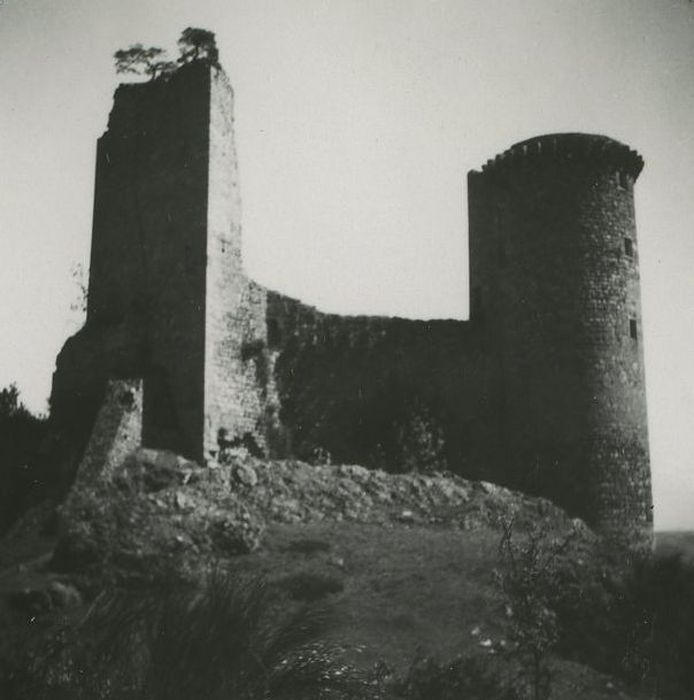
421,440
22,479
529,579
139,60
10,405
196,44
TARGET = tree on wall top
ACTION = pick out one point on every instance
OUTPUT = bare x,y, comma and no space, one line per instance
198,44
149,61
10,405
195,44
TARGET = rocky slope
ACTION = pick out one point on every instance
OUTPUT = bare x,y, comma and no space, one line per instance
404,561
159,514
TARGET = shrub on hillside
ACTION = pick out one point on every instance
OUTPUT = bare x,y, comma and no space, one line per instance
529,579
471,678
224,639
23,475
666,587
636,622
631,617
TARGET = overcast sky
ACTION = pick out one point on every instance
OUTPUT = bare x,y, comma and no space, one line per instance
357,121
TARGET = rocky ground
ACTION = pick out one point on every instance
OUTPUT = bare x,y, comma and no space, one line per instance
406,560
159,510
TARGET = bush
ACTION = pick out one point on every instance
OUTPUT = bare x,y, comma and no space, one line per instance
529,579
666,587
629,616
24,476
225,639
636,622
421,441
465,678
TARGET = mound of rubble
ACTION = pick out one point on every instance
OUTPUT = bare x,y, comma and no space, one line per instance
157,512
154,514
291,491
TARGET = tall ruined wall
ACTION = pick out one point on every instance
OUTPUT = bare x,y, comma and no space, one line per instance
542,389
117,430
145,315
168,300
235,395
379,391
555,288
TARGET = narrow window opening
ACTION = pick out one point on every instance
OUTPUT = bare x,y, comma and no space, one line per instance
623,180
633,329
188,261
476,303
629,247
273,332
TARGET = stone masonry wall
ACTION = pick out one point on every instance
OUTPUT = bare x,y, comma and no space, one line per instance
236,394
145,315
554,271
384,392
168,300
117,430
542,389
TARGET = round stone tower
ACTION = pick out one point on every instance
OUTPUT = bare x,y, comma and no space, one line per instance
555,292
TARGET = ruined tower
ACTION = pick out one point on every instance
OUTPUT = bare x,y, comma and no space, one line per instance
168,300
555,291
543,389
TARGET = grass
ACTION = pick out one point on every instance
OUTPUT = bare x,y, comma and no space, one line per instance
404,589
308,586
308,547
223,638
411,592
398,593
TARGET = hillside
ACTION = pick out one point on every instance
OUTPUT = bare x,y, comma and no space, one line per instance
676,542
404,562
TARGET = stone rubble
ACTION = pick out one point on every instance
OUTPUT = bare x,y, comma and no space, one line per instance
158,510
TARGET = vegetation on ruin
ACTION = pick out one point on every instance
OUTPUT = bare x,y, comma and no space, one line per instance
24,476
194,44
137,59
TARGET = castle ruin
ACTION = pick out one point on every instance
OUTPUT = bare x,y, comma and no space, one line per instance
542,389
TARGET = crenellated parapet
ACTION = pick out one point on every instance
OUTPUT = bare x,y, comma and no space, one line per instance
583,151
555,287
